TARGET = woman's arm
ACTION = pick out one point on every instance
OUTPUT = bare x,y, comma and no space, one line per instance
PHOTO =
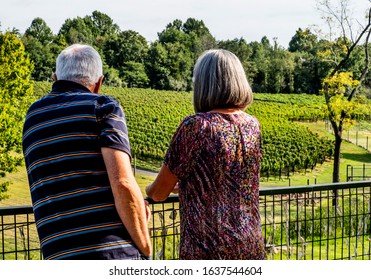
163,185
179,159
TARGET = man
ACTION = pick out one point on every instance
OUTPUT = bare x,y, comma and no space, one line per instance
86,201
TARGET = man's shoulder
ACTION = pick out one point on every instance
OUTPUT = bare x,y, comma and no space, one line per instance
103,99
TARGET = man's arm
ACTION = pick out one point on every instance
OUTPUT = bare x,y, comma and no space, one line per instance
129,200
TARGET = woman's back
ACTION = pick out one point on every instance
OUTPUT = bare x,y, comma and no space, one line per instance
217,157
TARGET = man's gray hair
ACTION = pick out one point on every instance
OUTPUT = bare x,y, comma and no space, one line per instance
220,82
79,63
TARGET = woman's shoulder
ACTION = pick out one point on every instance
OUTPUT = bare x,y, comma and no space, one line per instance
195,118
194,122
251,118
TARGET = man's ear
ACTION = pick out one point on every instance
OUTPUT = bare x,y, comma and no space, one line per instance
98,85
55,77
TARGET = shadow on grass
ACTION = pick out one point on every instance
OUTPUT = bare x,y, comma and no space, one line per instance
361,158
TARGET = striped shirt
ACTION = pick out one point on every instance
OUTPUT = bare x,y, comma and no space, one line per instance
73,204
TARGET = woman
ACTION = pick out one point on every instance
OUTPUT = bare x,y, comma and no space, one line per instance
214,159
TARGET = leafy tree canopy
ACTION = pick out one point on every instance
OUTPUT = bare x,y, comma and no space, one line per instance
15,91
40,31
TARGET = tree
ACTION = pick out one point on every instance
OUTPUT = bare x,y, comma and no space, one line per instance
126,52
173,33
308,71
199,37
169,66
41,57
303,41
40,31
260,59
15,92
129,45
244,52
94,30
180,63
78,30
281,70
183,42
340,85
43,47
156,66
103,25
102,28
112,77
133,73
273,67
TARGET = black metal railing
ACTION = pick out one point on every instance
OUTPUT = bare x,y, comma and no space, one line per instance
358,172
329,221
316,222
18,234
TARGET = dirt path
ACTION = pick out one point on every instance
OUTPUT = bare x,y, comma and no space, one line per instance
145,172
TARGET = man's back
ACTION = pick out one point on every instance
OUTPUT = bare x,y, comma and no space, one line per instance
73,202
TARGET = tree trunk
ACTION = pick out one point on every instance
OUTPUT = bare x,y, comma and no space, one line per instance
336,171
338,129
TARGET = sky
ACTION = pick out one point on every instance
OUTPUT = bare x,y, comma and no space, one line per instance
225,19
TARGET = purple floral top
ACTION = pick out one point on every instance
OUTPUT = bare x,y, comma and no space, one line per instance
216,158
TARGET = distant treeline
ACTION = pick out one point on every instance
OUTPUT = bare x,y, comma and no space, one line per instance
167,63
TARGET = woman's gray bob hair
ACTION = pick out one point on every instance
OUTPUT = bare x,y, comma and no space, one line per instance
220,81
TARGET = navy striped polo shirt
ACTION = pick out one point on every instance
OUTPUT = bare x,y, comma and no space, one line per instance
72,200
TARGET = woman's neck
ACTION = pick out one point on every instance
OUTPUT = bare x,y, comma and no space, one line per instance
226,110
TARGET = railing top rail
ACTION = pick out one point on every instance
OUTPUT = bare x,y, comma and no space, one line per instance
316,187
18,210
171,199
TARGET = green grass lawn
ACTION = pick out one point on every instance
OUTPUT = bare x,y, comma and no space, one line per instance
322,174
359,134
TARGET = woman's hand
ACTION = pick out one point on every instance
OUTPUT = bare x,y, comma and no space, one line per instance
148,210
176,189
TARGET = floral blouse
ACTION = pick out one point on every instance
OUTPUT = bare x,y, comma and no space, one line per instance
216,158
